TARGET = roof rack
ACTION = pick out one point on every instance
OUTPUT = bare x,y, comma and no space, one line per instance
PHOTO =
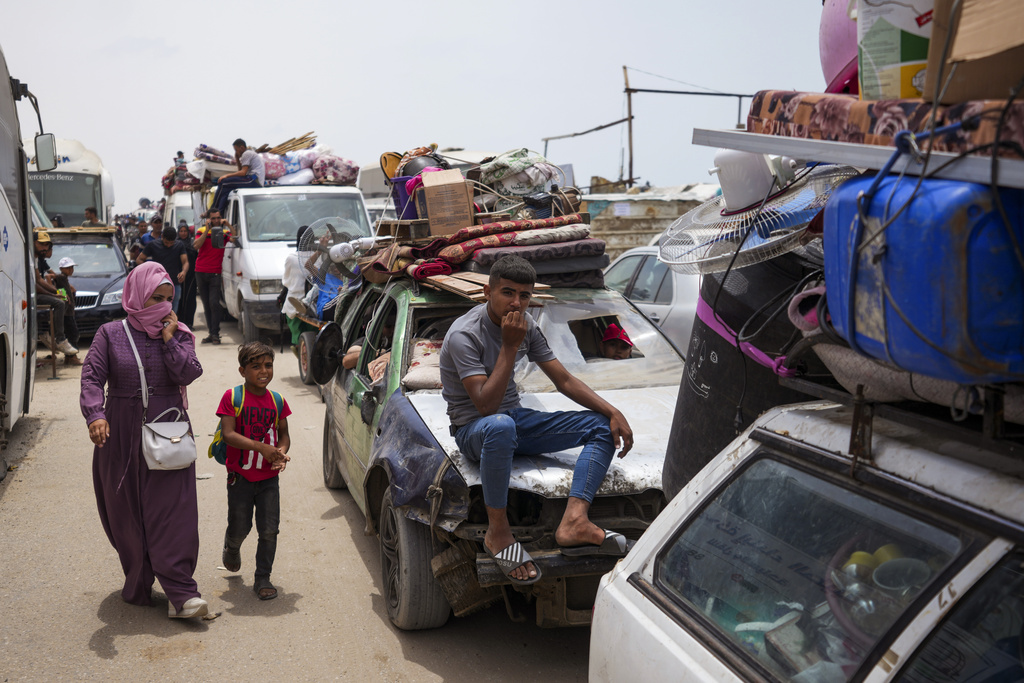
77,229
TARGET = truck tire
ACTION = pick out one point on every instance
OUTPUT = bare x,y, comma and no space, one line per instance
306,340
332,477
412,595
250,332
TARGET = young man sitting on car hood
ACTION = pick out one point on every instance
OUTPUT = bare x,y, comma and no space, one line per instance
490,426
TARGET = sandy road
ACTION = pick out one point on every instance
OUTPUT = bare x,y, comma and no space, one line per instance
60,580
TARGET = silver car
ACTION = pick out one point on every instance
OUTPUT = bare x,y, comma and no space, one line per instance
668,298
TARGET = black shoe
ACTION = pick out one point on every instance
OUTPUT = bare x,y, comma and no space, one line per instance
232,560
211,339
215,340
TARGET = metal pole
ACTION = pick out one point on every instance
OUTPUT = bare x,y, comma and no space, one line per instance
629,116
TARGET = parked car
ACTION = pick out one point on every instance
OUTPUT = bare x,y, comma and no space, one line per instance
787,559
666,297
100,270
389,443
265,222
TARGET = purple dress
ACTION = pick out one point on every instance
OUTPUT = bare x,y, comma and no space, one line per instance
151,516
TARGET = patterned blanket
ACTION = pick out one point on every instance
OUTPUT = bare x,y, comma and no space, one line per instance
844,118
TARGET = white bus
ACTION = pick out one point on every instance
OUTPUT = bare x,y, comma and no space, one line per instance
17,277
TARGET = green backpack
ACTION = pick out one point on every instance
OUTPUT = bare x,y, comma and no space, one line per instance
218,447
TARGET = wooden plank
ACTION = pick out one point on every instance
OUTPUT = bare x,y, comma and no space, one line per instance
456,285
482,279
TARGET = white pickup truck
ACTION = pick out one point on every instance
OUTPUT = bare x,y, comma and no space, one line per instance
265,222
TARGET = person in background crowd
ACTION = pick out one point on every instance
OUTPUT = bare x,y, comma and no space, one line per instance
57,221
294,287
46,293
187,305
251,173
209,244
616,344
144,235
67,292
151,517
169,252
92,219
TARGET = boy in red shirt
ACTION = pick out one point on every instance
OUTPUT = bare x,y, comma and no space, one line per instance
255,430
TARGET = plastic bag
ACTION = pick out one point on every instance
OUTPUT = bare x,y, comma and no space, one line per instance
303,177
292,163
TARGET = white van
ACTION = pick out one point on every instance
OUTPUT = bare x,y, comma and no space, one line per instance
264,224
185,206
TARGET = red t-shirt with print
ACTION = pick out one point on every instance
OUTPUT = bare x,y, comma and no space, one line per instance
209,258
256,422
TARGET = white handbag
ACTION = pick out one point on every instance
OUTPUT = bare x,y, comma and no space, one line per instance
165,445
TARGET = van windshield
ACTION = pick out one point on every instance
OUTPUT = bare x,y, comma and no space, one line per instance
66,193
278,217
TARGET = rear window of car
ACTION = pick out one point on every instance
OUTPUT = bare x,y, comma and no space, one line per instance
801,574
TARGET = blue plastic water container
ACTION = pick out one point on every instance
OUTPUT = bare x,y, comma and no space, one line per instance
940,291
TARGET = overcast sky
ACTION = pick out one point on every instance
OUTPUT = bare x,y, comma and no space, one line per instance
137,80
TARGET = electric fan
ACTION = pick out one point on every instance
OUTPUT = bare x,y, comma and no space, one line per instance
706,239
327,251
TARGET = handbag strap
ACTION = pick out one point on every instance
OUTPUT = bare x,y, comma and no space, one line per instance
142,373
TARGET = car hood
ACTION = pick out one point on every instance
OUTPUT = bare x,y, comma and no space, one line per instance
268,259
97,283
649,413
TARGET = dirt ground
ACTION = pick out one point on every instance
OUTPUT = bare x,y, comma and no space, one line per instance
60,580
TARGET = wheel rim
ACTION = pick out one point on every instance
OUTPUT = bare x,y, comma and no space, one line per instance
389,557
304,357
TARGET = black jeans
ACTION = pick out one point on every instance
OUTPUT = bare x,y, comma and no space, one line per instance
71,328
59,306
209,293
243,497
187,304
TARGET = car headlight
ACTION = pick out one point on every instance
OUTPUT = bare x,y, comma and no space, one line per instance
265,286
111,298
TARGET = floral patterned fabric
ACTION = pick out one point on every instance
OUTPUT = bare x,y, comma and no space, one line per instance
543,252
335,169
844,118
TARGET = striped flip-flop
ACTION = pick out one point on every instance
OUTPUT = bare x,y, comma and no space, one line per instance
512,557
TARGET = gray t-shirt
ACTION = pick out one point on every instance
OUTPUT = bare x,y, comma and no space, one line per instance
470,348
255,163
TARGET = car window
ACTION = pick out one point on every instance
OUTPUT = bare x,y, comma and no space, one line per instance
619,274
664,295
91,258
654,363
648,280
803,575
982,638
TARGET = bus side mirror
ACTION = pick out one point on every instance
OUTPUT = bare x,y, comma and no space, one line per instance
46,152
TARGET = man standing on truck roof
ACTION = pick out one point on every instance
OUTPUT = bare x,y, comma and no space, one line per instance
46,292
251,173
92,219
209,243
491,426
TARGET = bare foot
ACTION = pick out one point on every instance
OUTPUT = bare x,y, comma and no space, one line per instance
576,527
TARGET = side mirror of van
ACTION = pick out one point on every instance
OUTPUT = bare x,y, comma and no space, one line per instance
235,241
46,152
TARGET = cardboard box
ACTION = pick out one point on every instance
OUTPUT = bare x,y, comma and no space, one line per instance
988,50
446,200
892,47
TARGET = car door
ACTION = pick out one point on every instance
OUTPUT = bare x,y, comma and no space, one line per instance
231,265
651,289
619,275
365,397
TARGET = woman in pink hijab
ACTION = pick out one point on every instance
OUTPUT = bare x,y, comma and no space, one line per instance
150,516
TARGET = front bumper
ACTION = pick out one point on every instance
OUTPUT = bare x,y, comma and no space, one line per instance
264,313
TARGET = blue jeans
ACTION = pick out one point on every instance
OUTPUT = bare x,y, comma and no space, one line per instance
225,187
493,440
245,497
